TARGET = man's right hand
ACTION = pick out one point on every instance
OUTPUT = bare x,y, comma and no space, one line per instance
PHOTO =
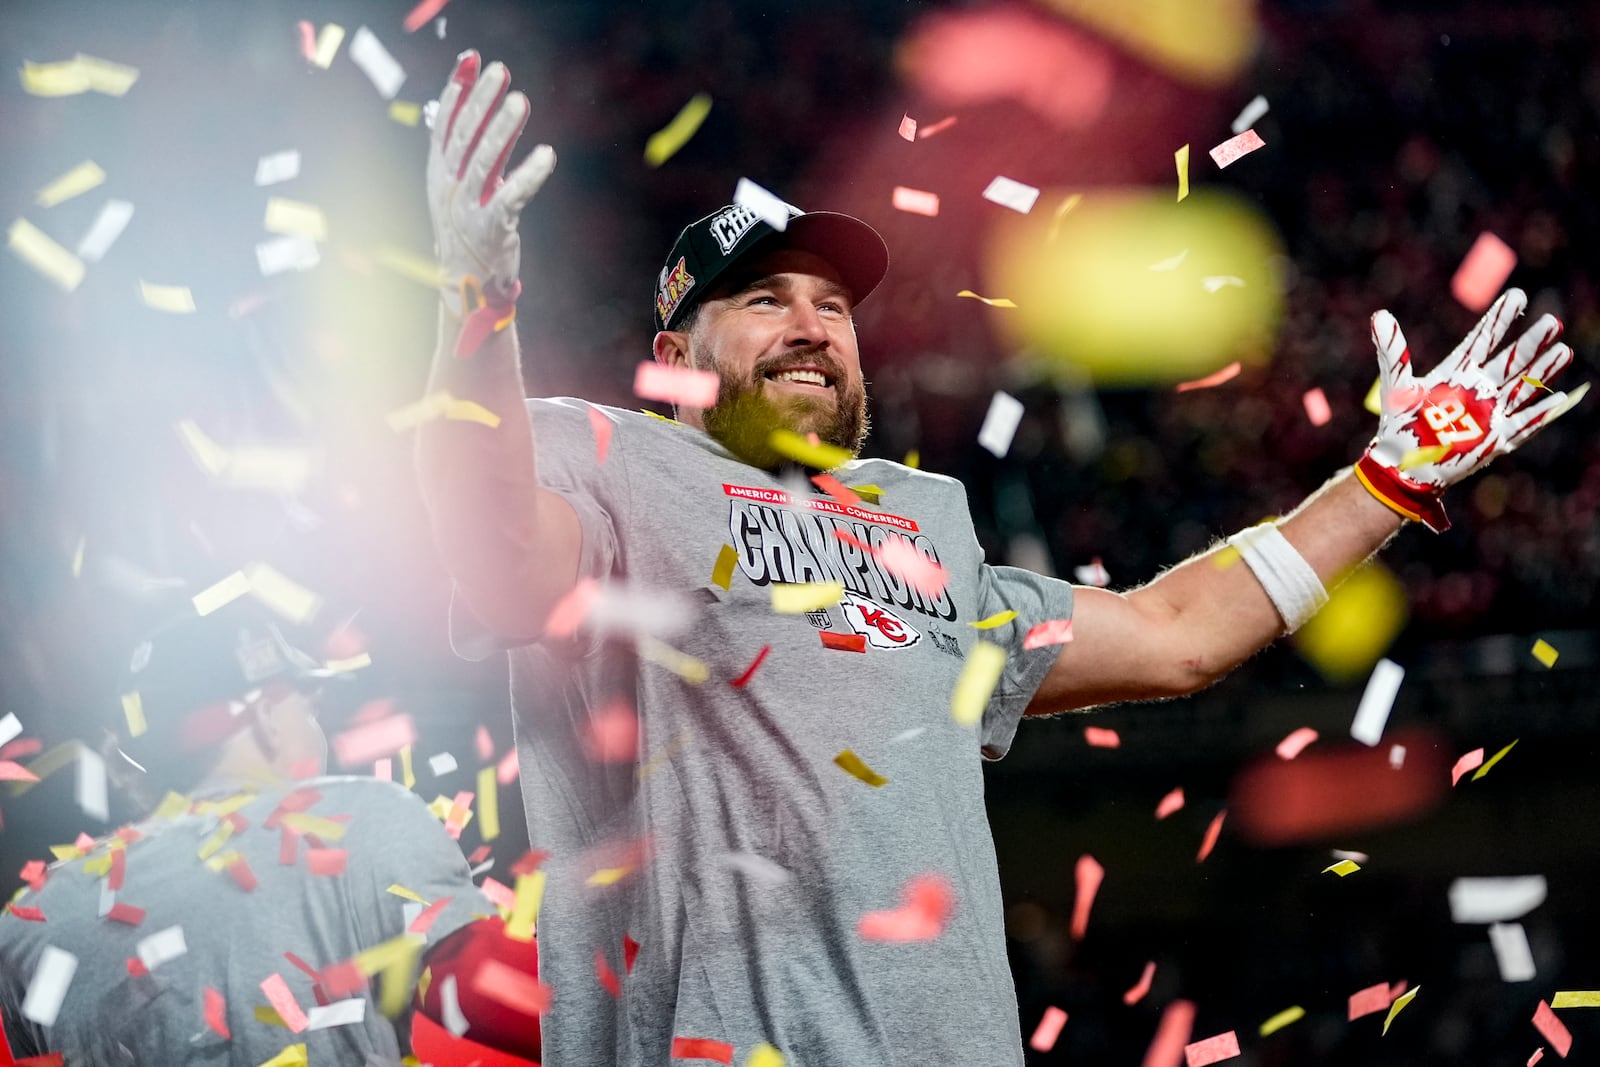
474,209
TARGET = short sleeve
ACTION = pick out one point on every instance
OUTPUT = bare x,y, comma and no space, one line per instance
1035,598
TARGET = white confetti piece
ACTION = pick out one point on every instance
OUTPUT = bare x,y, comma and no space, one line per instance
768,206
1512,952
443,763
1492,900
907,735
1000,423
49,985
339,1013
104,231
1171,262
287,253
1250,115
1217,282
162,947
384,71
295,218
91,785
1012,194
1373,712
278,167
757,867
10,728
1397,756
455,1020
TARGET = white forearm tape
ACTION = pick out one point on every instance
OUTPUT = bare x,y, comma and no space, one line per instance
1291,584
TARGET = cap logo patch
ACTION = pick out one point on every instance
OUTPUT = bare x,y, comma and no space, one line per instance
732,223
674,285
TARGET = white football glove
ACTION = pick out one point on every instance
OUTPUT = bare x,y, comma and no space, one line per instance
1480,402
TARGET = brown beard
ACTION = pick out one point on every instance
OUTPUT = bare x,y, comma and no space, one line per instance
745,417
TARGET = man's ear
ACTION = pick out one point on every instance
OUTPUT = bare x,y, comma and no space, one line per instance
672,348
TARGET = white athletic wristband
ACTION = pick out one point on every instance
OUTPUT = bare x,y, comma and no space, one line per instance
1291,584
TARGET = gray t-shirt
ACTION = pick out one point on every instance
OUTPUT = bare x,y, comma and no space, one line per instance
733,850
234,939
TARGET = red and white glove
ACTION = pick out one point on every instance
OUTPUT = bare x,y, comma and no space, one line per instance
475,209
1482,401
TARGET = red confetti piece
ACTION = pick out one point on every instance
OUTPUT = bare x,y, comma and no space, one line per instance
499,894
422,14
505,772
216,1010
119,869
1054,632
1538,1054
908,128
612,734
701,1048
749,672
1470,762
1295,743
136,968
572,609
1089,874
327,861
1212,1049
479,854
22,746
605,975
343,979
938,127
288,846
1210,841
915,201
1317,409
1049,1028
282,1000
676,385
1170,803
361,745
630,952
1488,263
1228,373
484,744
843,642
1100,737
308,40
35,873
84,843
1554,1030
1374,998
926,905
601,425
530,861
1141,987
1235,147
427,916
125,913
26,911
303,967
15,772
514,989
836,489
1172,1034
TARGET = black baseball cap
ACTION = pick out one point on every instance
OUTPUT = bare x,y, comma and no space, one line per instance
707,249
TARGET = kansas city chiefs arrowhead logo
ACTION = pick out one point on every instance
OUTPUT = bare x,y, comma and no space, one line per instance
881,627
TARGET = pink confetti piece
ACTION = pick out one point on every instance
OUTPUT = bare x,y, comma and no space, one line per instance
83,842
422,14
902,560
915,201
612,734
1538,1054
1212,1049
1317,409
908,128
601,425
36,873
517,990
22,747
1100,737
676,385
1234,147
1053,632
427,916
1554,1030
1089,874
288,847
499,894
483,743
701,1048
1470,762
1226,374
326,861
1142,986
749,672
363,744
1049,1028
572,609
216,1013
1372,999
1296,743
308,40
1172,1034
505,772
16,772
1170,803
1210,841
1487,265
926,905
282,1000
239,870
125,913
937,128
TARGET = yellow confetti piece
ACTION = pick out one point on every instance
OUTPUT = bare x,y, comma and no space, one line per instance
77,558
412,415
172,805
852,765
48,763
764,1055
226,806
1492,760
607,876
78,180
1544,652
35,248
1373,401
65,852
1536,383
380,956
525,907
223,860
351,663
282,594
314,824
291,1056
66,78
133,711
1343,867
791,445
722,570
407,776
663,655
1421,457
405,894
1225,557
1282,1019
440,807
994,302
405,112
661,757
398,983
872,494
173,299
790,598
470,411
97,866
329,38
913,460
214,843
665,142
423,983
104,76
269,1015
419,269
488,800
979,676
1181,158
1576,998
295,218
1400,1002
999,618
1061,212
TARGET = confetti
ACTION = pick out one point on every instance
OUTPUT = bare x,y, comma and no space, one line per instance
979,675
1318,411
1212,1049
701,1048
514,989
1172,1034
1397,756
216,1013
405,112
1553,1029
836,489
749,672
278,167
1170,803
505,771
291,1056
1376,701
1496,758
1181,159
1488,900
326,45
441,763
768,206
937,128
852,765
35,248
1217,282
1369,1001
1226,374
295,218
174,299
757,867
1053,632
998,619
339,1013
901,558
1234,147
103,232
992,301
1487,265
915,201
10,728
281,593
1284,1018
1210,840
1012,194
764,1055
1066,206
908,128
1398,1006
525,906
422,14
361,745
1049,1029
665,142
75,182
283,254
1099,737
282,1000
1088,874
842,642
91,785
612,734
1138,990
420,269
684,666
676,385
162,947
1094,574
65,78
1171,262
798,598
1342,868
1296,742
381,68
1514,955
1544,652
600,424
327,862
1421,457
1000,423
791,445
48,987
926,905
104,76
